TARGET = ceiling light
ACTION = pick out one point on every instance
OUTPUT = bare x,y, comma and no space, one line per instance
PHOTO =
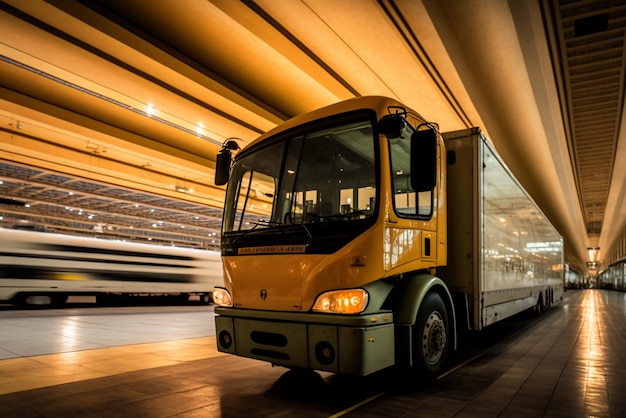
593,253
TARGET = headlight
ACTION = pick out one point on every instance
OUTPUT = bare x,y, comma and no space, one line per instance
221,297
349,301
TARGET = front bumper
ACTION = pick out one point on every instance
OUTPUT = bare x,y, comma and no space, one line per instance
357,345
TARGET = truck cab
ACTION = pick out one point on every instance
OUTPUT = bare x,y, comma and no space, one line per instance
327,234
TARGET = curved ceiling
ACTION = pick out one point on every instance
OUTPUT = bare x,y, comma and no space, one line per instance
138,96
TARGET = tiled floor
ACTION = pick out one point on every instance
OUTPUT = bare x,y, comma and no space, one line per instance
569,363
40,348
26,373
35,332
142,362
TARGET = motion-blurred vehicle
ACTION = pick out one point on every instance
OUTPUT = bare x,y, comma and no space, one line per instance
39,268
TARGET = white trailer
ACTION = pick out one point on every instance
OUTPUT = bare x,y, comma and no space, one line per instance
504,256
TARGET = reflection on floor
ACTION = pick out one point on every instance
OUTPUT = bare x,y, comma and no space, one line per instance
25,373
46,331
568,363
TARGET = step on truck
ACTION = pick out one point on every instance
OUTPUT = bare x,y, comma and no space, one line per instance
357,238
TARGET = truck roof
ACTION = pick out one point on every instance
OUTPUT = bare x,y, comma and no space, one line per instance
378,103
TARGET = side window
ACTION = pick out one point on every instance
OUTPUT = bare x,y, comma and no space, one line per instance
251,194
407,202
255,200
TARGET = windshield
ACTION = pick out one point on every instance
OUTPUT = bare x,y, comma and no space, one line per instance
308,178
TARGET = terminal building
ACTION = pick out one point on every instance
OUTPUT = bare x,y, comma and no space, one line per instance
114,116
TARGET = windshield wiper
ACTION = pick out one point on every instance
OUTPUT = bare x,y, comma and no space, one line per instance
266,222
308,233
246,232
257,223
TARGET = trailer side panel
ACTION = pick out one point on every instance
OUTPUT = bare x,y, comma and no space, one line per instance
504,254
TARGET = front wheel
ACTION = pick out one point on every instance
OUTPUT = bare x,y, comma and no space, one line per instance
431,335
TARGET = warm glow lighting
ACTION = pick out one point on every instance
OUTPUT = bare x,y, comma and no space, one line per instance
593,254
221,297
593,382
350,301
548,246
113,98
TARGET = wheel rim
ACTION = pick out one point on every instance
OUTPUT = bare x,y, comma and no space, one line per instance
433,338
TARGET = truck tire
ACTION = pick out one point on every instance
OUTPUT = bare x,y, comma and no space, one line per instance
431,336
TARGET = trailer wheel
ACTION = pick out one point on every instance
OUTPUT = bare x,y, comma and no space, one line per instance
431,340
206,298
30,300
538,307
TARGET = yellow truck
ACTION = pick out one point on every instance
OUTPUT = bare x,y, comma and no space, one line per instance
358,237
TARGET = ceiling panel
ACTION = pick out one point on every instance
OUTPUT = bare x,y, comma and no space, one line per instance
126,102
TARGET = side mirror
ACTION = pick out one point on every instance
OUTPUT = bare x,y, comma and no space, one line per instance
223,161
222,167
424,159
391,126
